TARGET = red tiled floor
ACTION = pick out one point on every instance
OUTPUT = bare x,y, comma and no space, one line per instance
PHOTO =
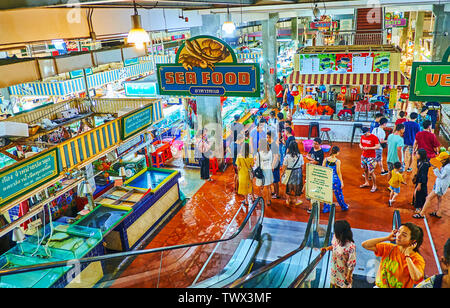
207,214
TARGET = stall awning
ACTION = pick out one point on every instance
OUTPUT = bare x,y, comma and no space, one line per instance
395,78
71,86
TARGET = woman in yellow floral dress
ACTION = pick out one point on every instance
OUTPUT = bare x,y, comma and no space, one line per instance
244,164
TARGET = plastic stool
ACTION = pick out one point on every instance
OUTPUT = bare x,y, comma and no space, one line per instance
311,126
324,132
355,126
213,165
157,160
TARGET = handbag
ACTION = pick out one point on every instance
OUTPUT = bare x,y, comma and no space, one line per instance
258,172
287,174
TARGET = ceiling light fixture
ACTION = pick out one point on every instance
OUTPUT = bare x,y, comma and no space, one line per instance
137,35
228,27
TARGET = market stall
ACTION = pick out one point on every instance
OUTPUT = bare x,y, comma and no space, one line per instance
342,86
61,207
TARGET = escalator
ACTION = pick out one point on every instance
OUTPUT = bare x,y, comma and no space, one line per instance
213,263
284,272
321,264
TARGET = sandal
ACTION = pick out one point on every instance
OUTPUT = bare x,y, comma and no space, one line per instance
434,214
373,189
364,185
418,216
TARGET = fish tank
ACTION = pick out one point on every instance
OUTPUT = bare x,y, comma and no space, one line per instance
150,179
104,218
52,243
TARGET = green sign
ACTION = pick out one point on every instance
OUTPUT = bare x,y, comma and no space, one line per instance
136,121
430,81
207,66
28,175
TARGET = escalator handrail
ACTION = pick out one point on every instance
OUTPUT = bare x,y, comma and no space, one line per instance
239,282
312,265
396,222
42,266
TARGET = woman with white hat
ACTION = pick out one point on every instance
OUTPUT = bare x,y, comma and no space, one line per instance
440,186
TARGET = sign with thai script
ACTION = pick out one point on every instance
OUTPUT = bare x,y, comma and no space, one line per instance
430,81
207,66
28,175
319,183
136,121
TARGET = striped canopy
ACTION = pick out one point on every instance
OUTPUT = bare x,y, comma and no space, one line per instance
395,78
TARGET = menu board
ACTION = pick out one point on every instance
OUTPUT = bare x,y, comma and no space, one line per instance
381,62
309,64
343,63
327,63
362,62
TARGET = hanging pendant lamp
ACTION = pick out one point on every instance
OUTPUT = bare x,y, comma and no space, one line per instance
228,27
137,35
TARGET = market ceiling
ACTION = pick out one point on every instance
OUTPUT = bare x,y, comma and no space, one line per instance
147,4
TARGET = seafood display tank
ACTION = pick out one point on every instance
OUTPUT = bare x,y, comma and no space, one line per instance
144,200
52,243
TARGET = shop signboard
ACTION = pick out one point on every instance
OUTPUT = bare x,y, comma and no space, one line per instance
129,62
394,20
141,89
136,122
24,177
430,81
319,183
207,66
342,63
79,73
320,25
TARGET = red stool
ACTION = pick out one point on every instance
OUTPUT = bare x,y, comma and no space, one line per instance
324,132
213,165
157,159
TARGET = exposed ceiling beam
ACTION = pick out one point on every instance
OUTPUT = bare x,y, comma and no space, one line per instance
21,4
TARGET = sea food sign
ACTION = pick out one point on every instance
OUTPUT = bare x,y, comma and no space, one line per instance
24,177
430,81
207,66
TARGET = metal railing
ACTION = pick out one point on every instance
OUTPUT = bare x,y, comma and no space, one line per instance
349,38
313,219
255,228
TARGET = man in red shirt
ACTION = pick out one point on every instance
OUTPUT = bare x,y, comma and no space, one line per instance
279,92
427,140
368,144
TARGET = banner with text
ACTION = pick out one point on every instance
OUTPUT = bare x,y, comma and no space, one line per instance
207,66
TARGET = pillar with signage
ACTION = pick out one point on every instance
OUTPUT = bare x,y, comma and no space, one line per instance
207,68
441,33
270,52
